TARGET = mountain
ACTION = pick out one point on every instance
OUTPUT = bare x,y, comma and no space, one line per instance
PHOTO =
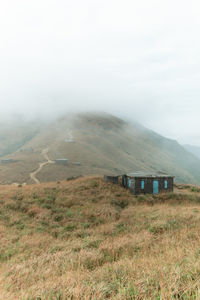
89,143
195,150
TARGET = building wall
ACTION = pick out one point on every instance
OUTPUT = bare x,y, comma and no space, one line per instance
113,179
7,161
61,161
135,184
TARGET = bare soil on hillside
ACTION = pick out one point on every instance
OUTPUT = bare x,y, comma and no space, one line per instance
41,165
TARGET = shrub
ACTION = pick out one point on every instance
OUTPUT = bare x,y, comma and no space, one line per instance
91,218
23,208
46,205
82,234
13,206
161,228
142,198
18,197
55,249
121,227
50,199
122,203
8,253
69,213
94,184
70,227
86,225
41,229
20,226
32,212
58,218
93,244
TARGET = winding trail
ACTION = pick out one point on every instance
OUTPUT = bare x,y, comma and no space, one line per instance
48,160
70,134
70,137
41,165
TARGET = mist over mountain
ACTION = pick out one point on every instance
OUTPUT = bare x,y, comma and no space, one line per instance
123,57
88,143
195,150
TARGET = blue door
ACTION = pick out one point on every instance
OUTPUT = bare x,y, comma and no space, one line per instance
165,184
142,184
129,183
155,186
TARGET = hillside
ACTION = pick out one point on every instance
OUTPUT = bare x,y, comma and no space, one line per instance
93,144
17,133
195,150
85,239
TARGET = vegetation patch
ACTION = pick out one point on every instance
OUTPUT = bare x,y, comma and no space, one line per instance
194,189
70,227
117,247
161,228
122,203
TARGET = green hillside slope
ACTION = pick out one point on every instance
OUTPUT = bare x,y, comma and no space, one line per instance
97,144
195,150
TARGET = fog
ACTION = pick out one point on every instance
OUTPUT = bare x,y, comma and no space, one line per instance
136,59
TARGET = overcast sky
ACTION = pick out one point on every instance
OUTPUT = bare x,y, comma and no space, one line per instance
135,58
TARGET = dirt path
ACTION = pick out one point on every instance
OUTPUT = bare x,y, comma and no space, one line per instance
70,137
48,161
41,165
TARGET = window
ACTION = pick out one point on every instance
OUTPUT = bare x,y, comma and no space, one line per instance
165,184
142,184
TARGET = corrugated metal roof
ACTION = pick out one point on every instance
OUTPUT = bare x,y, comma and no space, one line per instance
61,159
145,174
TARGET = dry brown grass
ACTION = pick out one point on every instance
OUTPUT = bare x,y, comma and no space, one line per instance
84,239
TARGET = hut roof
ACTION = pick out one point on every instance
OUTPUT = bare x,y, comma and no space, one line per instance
145,174
61,159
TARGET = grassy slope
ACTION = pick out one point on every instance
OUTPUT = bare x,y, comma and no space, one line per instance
102,144
106,142
195,150
84,239
14,135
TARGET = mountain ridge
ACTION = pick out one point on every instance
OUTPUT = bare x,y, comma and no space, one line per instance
195,150
93,143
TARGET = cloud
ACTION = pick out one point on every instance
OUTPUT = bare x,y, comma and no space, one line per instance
138,59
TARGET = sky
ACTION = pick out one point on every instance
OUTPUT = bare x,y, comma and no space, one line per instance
137,59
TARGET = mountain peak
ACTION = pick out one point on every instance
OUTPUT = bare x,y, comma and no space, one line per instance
86,144
98,120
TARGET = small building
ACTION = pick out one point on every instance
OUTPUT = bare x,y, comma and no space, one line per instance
7,161
112,179
142,183
26,149
76,163
61,161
